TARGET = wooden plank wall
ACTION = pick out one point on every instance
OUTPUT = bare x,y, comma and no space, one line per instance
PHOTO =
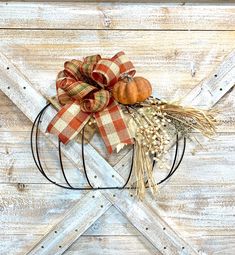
175,47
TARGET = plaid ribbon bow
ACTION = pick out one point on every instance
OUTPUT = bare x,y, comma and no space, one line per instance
83,88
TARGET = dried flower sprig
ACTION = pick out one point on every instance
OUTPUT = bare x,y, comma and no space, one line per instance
192,118
154,122
152,138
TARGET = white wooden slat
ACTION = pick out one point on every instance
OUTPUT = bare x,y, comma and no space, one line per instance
140,228
210,90
176,204
166,2
209,216
76,221
194,210
174,52
24,100
33,209
207,93
14,146
112,245
115,16
188,56
208,245
228,81
151,224
30,101
118,245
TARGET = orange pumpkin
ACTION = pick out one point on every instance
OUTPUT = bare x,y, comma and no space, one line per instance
132,90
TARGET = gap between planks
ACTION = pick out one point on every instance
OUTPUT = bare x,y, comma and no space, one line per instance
112,15
156,234
125,30
135,221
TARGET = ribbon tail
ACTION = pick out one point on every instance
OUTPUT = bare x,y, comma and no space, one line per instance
68,122
112,126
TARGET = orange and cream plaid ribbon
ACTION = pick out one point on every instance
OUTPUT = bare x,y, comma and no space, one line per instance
83,88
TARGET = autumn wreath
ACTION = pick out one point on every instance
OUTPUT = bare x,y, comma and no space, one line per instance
104,94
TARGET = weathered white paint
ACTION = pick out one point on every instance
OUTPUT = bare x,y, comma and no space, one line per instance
170,238
210,90
44,51
75,222
14,49
159,223
115,16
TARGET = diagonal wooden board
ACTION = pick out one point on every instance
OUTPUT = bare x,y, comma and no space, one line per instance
75,222
210,90
30,102
126,204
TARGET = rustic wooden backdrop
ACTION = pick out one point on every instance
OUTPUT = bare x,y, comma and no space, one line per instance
176,47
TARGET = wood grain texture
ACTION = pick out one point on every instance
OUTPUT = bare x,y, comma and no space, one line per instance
219,82
209,157
125,207
89,245
113,244
33,208
23,94
202,219
115,16
198,200
117,245
157,2
188,58
75,222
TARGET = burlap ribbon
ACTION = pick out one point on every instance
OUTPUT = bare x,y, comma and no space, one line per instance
83,88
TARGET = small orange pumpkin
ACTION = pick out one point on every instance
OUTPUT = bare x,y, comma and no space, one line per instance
132,90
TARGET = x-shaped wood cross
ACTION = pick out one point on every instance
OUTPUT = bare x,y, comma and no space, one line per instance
143,215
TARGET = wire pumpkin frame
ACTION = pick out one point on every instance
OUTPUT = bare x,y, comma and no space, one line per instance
34,138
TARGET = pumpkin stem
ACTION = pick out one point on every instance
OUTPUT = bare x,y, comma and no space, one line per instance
126,76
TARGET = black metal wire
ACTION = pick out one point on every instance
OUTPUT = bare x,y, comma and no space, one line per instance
37,160
85,169
61,165
40,168
84,164
83,158
172,171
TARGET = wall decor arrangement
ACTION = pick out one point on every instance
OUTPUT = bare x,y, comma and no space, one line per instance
117,130
92,91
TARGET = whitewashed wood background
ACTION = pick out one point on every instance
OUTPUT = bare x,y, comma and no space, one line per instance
176,47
